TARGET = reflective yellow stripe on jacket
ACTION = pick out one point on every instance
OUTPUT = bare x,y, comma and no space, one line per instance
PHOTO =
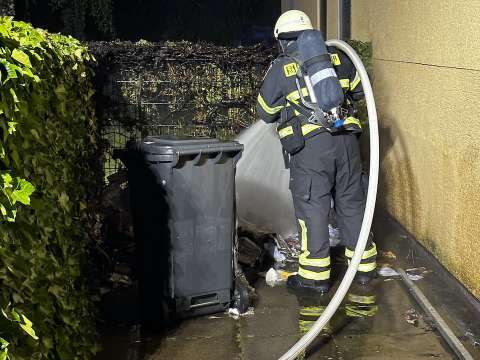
355,81
266,108
351,120
345,83
306,129
295,95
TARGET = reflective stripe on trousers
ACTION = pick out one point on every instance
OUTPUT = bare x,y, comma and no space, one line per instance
311,268
369,257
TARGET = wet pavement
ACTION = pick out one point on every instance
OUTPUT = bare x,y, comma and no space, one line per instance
380,321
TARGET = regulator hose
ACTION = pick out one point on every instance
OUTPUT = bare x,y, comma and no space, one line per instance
337,299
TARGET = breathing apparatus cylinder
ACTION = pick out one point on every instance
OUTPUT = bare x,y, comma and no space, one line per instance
320,77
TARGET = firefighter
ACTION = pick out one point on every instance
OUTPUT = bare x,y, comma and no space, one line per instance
323,165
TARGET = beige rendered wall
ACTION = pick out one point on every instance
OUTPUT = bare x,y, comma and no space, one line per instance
360,22
427,88
332,13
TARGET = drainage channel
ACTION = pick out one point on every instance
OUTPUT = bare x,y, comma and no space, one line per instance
429,309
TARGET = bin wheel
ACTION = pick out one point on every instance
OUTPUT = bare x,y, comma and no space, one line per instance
241,298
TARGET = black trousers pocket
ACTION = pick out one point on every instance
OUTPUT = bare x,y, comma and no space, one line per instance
291,136
301,186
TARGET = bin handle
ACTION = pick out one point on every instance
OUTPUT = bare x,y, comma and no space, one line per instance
182,152
204,304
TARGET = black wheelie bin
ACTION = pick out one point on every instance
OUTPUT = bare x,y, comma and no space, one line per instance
182,193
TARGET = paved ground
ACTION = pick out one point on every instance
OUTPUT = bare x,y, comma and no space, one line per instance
371,324
275,326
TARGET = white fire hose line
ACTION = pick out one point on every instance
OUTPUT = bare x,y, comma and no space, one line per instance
337,299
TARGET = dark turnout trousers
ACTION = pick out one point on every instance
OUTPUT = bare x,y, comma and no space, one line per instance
329,166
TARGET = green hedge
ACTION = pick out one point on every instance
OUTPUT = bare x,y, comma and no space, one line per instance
364,50
47,136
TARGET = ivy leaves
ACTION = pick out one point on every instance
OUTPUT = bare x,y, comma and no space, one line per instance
15,317
47,139
3,349
13,190
23,322
21,57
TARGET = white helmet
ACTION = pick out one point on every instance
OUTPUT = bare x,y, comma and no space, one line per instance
292,20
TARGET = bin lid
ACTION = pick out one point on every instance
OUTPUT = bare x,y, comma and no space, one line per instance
178,140
170,148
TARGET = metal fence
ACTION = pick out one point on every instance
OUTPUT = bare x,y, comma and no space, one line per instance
116,136
174,89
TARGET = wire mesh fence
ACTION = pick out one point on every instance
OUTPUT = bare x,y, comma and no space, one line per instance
181,88
116,136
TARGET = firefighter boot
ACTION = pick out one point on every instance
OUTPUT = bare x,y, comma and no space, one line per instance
296,282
